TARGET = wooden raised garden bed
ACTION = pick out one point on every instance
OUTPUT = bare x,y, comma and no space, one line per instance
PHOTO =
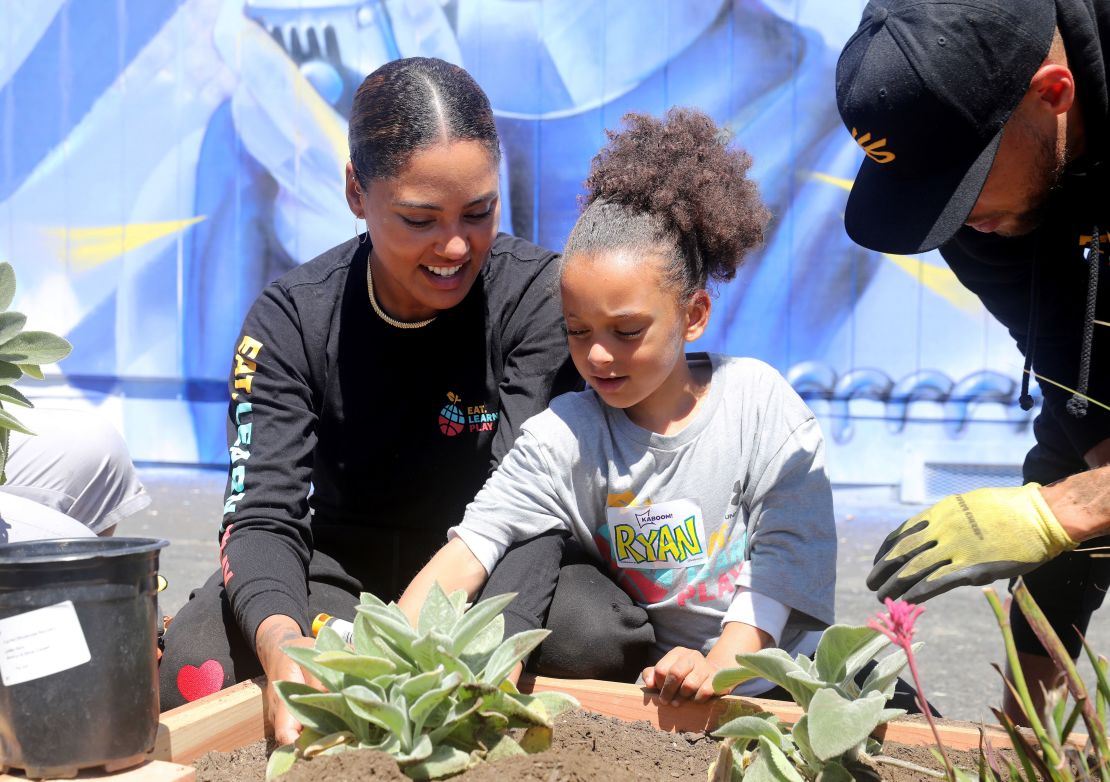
232,718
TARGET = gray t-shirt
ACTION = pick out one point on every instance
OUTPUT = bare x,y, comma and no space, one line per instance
736,503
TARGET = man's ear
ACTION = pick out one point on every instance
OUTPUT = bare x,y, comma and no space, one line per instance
1053,85
353,191
697,315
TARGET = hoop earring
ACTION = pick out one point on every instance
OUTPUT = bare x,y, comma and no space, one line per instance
361,236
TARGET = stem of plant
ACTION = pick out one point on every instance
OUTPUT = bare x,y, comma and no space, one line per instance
948,770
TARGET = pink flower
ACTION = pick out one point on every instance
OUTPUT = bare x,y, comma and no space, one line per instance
897,623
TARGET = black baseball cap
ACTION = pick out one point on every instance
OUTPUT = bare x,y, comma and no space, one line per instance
925,87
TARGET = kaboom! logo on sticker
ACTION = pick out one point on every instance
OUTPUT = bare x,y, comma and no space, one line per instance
451,419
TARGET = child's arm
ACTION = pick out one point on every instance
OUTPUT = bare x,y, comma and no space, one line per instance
455,567
687,673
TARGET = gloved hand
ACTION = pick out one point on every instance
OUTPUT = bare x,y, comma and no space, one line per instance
972,538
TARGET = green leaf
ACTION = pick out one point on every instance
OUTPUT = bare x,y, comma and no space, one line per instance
510,652
328,640
428,650
444,761
834,772
306,658
476,619
484,644
424,704
320,720
370,599
395,629
458,600
422,683
282,758
35,347
844,647
521,711
884,675
781,766
32,370
381,647
774,665
750,729
9,421
421,750
437,613
800,734
336,704
836,724
10,394
356,664
11,323
556,703
9,373
505,747
366,704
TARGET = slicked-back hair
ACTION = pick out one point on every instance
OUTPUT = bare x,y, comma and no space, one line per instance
413,103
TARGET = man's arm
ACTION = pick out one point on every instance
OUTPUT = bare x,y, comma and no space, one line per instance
1081,503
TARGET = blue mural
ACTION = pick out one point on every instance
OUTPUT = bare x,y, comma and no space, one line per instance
162,160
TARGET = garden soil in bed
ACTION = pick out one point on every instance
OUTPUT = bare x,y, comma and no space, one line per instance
586,746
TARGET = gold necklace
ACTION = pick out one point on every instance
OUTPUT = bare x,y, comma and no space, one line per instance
398,324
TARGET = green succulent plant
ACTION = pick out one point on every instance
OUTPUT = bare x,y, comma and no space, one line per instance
434,696
21,353
832,741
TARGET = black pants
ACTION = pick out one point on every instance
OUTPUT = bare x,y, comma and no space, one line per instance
597,631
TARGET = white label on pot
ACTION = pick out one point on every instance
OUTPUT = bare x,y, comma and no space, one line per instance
40,643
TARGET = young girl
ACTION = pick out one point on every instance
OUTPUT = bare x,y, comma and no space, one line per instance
697,481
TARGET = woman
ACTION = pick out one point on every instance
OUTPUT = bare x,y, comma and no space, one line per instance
373,388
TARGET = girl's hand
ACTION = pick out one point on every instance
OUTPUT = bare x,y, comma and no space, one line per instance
682,673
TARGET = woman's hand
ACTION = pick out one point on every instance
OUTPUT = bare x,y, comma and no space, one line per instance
275,633
682,673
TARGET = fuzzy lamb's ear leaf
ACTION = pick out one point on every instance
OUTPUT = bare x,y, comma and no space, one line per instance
7,285
536,739
9,421
843,648
510,652
437,613
32,370
320,720
9,372
556,703
836,724
355,664
835,772
423,705
11,394
771,765
885,674
366,704
421,750
458,600
306,658
396,629
281,760
484,644
774,665
444,761
327,640
749,728
477,618
35,347
11,323
422,683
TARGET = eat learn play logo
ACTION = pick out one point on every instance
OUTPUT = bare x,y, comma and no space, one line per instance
455,418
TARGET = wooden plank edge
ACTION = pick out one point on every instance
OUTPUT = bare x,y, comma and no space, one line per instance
149,771
232,718
631,703
220,722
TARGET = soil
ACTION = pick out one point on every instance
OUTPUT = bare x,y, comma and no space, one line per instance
586,746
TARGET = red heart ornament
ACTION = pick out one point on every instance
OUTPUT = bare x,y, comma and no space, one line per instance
194,683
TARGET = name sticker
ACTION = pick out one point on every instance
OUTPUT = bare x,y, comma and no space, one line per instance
653,537
41,643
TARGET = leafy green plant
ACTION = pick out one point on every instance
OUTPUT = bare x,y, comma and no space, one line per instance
832,741
434,696
1051,756
21,353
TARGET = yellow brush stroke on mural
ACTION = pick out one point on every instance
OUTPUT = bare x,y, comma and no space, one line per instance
937,279
87,248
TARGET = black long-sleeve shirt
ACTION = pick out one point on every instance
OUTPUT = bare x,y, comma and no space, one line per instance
340,420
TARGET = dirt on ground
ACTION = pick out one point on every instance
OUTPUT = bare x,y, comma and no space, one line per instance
586,747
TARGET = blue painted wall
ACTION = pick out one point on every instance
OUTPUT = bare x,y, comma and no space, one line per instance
161,160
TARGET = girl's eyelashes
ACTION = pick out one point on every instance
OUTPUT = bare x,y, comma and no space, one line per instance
416,223
474,218
482,216
629,334
577,332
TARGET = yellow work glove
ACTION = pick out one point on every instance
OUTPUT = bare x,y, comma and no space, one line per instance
972,538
